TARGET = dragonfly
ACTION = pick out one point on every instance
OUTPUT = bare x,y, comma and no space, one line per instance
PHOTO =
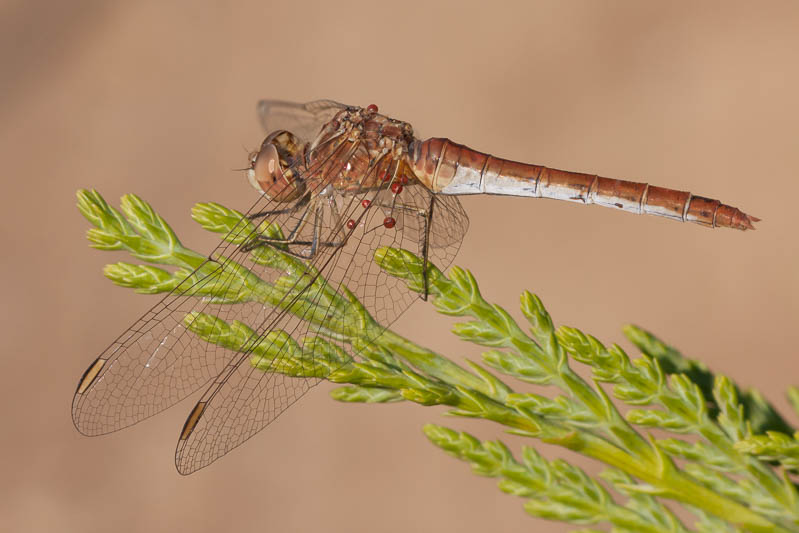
340,182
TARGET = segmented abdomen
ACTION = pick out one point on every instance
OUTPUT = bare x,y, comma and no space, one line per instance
451,168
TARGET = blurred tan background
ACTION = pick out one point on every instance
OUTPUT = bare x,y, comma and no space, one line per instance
158,98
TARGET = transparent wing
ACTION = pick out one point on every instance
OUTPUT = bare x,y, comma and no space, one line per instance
158,361
255,388
164,356
303,119
448,224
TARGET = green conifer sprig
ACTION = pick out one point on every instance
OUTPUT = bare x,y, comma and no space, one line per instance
717,469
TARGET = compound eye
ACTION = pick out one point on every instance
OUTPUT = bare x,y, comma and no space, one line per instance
266,167
271,169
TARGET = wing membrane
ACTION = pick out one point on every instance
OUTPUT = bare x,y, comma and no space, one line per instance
168,354
303,119
254,389
448,224
157,361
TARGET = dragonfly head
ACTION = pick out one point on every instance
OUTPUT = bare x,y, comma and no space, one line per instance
271,169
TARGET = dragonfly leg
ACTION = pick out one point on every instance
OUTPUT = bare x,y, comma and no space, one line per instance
293,240
279,243
258,240
427,216
315,238
300,203
426,248
315,243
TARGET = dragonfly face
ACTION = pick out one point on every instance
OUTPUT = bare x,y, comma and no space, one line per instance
271,170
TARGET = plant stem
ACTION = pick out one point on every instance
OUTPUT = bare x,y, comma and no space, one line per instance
435,365
673,484
653,468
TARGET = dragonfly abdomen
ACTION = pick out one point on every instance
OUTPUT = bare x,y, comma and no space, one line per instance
451,168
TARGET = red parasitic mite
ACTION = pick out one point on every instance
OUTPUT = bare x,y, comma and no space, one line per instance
404,180
372,108
366,203
384,176
396,187
389,222
350,224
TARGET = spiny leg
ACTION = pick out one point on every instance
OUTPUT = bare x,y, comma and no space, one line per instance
300,203
428,219
315,233
258,240
315,243
427,216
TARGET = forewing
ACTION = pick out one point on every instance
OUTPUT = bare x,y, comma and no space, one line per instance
158,361
256,387
265,378
302,119
162,359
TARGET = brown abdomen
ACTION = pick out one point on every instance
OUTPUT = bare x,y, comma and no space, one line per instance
450,168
